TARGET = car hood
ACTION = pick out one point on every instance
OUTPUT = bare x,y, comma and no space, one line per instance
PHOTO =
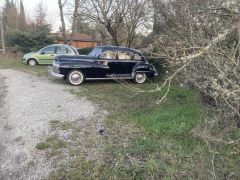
76,57
30,54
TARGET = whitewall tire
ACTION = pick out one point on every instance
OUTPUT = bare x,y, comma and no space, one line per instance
75,77
140,78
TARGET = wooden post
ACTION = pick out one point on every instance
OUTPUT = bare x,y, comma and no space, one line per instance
2,34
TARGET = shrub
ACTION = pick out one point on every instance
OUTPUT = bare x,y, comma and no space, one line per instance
28,41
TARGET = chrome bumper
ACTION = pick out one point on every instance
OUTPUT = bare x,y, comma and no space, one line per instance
53,74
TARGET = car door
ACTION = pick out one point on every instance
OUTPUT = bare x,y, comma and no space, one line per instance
47,55
109,58
127,60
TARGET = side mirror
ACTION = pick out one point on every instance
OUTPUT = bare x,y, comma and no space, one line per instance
42,53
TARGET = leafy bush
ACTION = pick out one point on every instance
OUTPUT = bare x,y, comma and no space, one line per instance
29,41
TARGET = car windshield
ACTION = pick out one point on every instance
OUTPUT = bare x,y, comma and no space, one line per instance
95,52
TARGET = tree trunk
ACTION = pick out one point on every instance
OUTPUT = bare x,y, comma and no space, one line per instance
60,4
2,34
75,14
113,33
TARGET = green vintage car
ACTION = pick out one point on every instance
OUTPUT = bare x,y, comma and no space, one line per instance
47,54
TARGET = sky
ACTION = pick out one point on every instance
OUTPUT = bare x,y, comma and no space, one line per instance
52,11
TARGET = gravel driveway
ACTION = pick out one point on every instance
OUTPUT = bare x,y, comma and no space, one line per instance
27,105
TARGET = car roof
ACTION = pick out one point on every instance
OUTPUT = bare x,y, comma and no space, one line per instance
118,47
60,45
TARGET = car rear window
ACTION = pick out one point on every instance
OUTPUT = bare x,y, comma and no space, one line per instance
61,50
128,55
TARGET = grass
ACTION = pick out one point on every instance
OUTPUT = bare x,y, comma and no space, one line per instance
146,140
42,145
164,146
12,63
61,125
52,142
53,145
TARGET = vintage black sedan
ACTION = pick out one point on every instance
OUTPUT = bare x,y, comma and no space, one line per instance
103,62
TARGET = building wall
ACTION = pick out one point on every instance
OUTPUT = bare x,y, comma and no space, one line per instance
80,44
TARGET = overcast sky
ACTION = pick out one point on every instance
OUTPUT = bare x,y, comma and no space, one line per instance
52,10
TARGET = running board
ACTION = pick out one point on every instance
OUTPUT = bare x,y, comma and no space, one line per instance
112,77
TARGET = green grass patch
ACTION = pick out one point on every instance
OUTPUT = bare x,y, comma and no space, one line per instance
165,146
42,146
53,143
62,125
11,63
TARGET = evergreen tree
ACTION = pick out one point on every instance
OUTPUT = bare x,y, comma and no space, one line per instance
25,36
22,20
10,16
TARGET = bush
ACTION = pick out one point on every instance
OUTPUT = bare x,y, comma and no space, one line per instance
28,41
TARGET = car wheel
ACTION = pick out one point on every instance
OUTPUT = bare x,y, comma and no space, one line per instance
75,77
32,62
140,78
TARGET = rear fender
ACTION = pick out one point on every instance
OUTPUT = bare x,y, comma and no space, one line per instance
148,69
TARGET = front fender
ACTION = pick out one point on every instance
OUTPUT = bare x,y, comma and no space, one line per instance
26,60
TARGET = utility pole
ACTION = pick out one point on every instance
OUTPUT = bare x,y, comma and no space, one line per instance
2,33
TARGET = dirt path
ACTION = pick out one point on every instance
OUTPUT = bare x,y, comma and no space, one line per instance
27,105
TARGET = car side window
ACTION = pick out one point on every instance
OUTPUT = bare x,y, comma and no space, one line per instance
108,55
48,50
137,57
125,55
61,50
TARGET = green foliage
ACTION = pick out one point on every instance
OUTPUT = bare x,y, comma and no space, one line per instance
29,41
22,19
25,36
14,17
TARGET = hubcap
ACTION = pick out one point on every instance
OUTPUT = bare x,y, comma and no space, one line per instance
76,78
140,78
32,63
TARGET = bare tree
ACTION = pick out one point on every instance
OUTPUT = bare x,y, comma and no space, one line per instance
77,5
61,6
109,16
137,14
201,40
40,15
120,18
